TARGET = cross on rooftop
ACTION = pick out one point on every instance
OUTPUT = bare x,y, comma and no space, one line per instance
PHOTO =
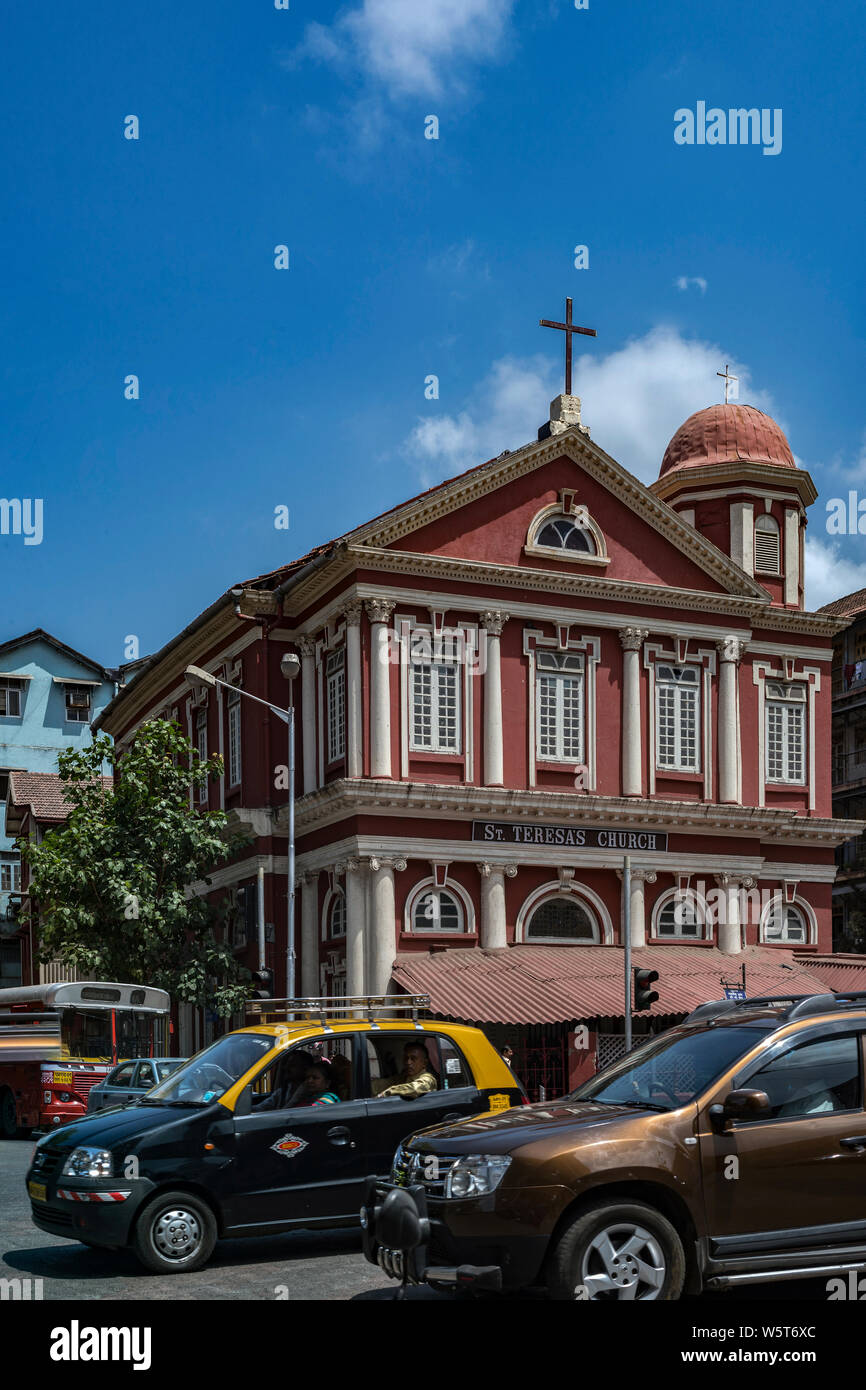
728,379
568,328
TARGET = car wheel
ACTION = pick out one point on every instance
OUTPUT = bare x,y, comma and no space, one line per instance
8,1115
175,1233
617,1250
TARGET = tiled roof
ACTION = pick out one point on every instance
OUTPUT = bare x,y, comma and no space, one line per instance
839,972
846,607
43,795
555,984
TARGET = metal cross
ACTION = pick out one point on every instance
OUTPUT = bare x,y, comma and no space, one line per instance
728,379
567,328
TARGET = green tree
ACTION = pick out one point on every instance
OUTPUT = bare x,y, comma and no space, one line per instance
107,890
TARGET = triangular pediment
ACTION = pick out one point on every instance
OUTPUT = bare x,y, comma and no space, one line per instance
647,542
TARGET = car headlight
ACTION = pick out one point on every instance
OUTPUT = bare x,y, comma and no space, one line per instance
476,1174
88,1163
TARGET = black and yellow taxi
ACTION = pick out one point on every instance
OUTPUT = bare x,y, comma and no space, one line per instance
273,1127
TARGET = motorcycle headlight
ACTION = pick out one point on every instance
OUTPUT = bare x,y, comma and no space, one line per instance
476,1174
88,1163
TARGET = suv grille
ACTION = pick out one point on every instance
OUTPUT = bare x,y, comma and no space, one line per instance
411,1167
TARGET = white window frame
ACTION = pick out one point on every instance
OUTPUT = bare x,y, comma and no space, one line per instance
574,900
465,909
335,697
201,748
555,670
777,904
437,663
666,684
337,899
84,704
690,899
235,760
783,700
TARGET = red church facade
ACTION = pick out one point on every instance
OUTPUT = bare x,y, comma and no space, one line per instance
509,683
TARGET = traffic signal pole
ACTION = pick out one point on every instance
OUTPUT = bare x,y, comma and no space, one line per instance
626,929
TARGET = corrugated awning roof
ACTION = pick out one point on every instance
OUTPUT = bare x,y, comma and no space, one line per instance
555,984
837,972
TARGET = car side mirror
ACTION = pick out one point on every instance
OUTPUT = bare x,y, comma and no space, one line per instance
738,1105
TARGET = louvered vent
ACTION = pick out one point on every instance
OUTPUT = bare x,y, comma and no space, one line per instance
766,552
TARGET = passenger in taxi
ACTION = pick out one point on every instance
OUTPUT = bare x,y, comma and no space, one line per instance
289,1082
319,1086
416,1078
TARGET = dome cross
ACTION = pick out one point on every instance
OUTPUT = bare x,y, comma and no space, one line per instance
728,379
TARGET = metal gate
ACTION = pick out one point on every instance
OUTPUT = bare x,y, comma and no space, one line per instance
542,1066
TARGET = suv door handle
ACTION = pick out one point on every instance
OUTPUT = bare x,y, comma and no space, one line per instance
338,1135
855,1141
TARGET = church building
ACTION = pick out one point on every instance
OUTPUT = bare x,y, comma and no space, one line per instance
508,684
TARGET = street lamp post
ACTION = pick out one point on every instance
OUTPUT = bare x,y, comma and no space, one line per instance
290,665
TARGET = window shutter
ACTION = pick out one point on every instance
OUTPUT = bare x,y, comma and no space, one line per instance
766,549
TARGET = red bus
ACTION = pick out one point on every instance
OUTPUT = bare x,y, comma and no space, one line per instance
57,1040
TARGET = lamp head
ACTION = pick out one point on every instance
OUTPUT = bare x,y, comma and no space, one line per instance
196,677
290,665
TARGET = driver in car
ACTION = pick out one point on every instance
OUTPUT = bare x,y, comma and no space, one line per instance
416,1078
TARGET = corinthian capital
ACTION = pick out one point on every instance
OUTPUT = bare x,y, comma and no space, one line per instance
493,620
352,612
731,648
306,644
633,638
379,610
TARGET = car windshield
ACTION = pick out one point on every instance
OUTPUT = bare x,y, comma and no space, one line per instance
209,1074
672,1069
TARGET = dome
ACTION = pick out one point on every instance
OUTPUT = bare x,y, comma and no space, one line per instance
727,434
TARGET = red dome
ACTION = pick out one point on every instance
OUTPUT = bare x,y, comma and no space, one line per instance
727,434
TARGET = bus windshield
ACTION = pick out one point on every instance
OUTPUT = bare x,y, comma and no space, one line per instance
86,1034
209,1074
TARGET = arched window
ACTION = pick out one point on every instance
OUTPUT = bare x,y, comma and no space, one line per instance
561,919
766,545
783,922
565,533
431,909
679,916
337,915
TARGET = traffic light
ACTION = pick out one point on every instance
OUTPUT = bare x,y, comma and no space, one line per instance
643,995
263,984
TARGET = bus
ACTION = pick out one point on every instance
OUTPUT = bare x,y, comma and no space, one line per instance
57,1040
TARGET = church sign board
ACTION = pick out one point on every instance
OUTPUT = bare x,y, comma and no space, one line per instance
569,836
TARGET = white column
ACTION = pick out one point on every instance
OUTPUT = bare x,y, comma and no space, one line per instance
494,919
632,639
356,925
792,556
355,749
729,914
309,935
383,923
730,653
307,647
493,621
379,612
637,903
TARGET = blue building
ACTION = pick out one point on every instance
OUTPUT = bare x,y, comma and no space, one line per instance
49,696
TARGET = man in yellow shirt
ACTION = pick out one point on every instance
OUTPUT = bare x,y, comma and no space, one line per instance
416,1078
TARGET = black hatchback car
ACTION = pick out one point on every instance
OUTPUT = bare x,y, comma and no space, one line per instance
130,1081
269,1129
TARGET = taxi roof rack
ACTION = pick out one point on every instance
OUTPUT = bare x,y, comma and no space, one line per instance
345,1006
798,1005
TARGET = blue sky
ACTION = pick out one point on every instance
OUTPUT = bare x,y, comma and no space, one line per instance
408,257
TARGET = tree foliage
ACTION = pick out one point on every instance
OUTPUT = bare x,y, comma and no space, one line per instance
109,889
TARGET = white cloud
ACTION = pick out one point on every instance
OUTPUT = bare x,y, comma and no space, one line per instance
507,408
829,573
634,400
684,282
412,47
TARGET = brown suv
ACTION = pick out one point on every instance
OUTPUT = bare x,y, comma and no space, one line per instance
727,1151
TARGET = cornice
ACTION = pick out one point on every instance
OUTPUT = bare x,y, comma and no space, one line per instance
463,803
737,471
